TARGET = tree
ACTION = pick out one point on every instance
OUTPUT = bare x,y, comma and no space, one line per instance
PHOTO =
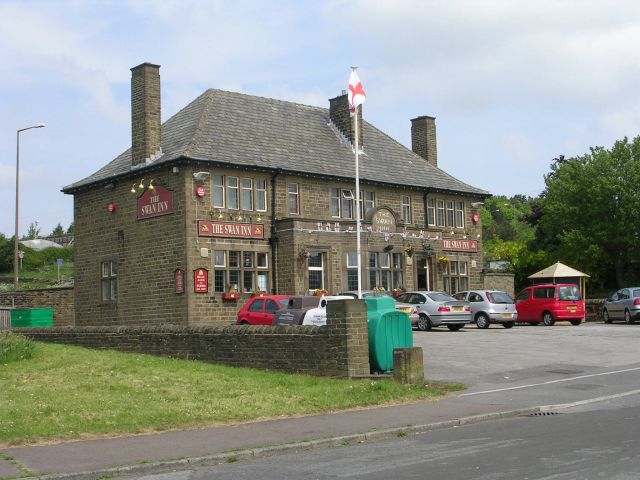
71,229
58,231
590,208
33,232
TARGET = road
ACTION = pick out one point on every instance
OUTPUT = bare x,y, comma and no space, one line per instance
587,443
589,376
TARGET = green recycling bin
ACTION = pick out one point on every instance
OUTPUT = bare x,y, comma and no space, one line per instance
388,329
32,317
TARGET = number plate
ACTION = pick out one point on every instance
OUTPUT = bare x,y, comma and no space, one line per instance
507,315
406,310
457,309
572,309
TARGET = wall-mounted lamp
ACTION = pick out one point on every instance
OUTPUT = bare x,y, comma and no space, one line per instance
239,218
388,248
141,186
151,187
220,215
201,175
259,219
133,188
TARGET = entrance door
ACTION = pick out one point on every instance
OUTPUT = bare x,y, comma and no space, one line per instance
424,273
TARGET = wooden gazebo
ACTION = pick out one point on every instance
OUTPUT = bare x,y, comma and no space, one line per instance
561,273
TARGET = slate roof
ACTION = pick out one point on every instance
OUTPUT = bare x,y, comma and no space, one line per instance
256,132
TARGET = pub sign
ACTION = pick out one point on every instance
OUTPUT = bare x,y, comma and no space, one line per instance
201,280
230,229
155,203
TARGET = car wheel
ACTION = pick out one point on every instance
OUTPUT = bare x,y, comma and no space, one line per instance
627,318
424,324
455,327
507,324
483,320
605,315
244,322
547,319
576,322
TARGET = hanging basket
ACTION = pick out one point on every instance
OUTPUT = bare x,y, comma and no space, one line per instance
230,296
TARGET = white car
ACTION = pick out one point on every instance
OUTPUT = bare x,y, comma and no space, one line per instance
307,310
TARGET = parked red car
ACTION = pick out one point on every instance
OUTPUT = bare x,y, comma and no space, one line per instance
261,310
549,303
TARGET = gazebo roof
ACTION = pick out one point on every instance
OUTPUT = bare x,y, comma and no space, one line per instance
558,270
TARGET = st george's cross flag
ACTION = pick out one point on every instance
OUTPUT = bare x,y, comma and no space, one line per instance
356,93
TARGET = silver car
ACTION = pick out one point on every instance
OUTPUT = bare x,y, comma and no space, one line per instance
432,309
623,305
490,306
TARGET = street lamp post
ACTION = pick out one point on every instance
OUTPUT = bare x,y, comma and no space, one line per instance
15,239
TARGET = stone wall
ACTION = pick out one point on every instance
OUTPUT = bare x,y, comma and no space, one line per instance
502,281
60,299
338,349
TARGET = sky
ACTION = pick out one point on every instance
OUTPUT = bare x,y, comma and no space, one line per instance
512,84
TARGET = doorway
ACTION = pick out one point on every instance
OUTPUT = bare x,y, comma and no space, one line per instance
424,273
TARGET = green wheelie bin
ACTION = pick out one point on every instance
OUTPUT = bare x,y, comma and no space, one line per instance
388,329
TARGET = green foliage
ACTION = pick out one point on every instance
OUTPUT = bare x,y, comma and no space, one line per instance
33,231
6,253
39,259
72,228
58,231
590,209
14,347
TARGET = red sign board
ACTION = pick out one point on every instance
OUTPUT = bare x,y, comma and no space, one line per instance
111,207
459,245
201,280
155,203
179,281
200,192
236,230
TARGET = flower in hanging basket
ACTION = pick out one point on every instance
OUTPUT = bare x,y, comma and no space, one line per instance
443,260
379,289
304,254
409,250
230,296
259,293
319,292
396,292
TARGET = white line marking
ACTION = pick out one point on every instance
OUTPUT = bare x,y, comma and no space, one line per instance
547,408
550,382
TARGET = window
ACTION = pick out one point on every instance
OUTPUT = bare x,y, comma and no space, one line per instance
247,194
245,271
347,204
456,277
440,209
431,212
368,198
294,199
406,209
218,191
316,271
232,193
385,270
352,271
335,202
109,280
459,214
450,214
261,195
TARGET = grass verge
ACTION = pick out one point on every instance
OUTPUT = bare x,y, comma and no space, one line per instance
66,392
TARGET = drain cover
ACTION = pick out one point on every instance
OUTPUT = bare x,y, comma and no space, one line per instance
542,414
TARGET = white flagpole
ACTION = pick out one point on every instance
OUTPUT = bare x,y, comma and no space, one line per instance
358,253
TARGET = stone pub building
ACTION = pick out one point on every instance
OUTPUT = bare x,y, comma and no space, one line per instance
236,194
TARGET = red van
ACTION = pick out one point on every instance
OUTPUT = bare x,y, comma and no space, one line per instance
550,303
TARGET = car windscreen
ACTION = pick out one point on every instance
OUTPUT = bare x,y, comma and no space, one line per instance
570,292
636,292
499,297
440,297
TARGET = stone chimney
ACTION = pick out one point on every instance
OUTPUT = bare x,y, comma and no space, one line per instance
145,112
423,138
339,115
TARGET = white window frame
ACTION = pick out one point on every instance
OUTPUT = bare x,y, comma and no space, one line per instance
246,194
296,196
219,187
232,190
459,214
431,212
261,194
406,209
